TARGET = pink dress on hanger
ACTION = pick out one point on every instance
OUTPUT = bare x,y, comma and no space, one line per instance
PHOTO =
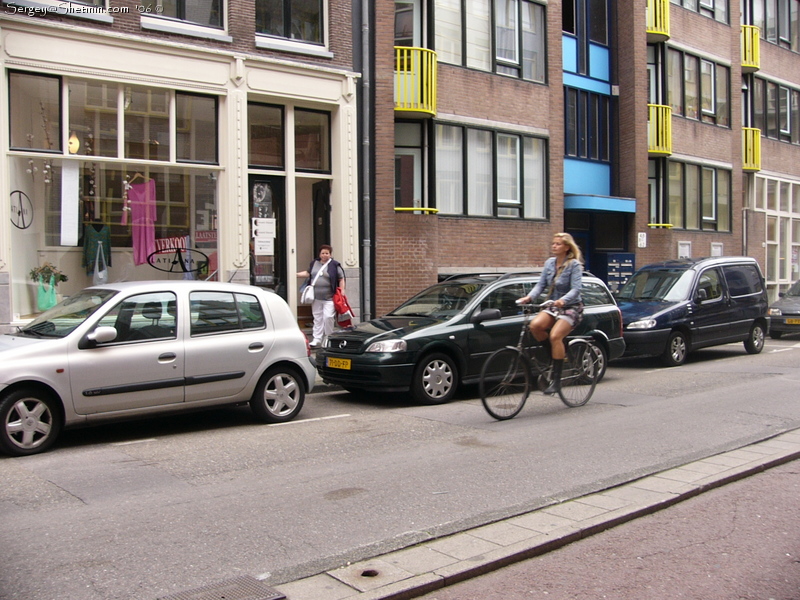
142,200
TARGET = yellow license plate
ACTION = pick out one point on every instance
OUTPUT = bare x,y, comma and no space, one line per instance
793,321
338,363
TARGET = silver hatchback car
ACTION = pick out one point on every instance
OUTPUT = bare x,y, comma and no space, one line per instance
143,348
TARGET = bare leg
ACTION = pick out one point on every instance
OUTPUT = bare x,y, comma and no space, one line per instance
559,331
540,326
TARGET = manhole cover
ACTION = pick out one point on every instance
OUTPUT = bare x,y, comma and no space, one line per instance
239,588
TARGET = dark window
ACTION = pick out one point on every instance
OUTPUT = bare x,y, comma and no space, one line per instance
742,280
35,112
208,12
595,294
299,20
196,128
587,124
221,312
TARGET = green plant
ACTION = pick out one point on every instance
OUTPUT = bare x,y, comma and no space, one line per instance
45,272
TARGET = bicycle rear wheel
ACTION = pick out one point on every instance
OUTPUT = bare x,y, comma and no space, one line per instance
505,383
579,374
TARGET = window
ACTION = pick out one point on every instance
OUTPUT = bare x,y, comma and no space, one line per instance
778,21
146,123
698,88
714,9
742,280
299,20
709,286
587,22
484,173
196,128
776,110
312,140
34,112
265,127
699,197
408,176
205,12
143,317
222,312
519,36
587,124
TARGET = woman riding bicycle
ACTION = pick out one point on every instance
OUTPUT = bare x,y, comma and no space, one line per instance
561,277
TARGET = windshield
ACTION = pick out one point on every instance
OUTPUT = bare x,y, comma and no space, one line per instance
794,290
64,317
441,301
665,285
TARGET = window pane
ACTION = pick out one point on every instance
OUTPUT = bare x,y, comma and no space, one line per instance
533,42
534,166
692,86
759,119
265,126
568,16
723,200
306,22
448,31
506,30
479,172
250,312
92,118
312,140
598,22
675,81
35,109
692,196
708,191
723,107
707,87
676,194
571,122
795,110
449,170
204,12
772,110
270,18
479,35
146,123
508,186
213,312
196,128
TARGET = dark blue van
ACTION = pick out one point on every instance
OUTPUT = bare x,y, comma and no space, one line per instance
674,307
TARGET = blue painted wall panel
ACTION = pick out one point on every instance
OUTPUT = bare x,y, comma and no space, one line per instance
587,177
569,56
599,62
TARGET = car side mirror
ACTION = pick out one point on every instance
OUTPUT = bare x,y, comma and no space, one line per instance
700,296
101,335
487,314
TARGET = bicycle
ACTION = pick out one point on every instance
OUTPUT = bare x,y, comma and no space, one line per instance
508,373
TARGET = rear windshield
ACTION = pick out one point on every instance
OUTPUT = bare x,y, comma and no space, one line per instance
668,285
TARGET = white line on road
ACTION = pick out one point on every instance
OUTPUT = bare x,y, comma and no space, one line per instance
309,420
134,442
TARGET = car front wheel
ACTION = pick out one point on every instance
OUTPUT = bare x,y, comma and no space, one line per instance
676,350
435,379
279,396
755,340
30,421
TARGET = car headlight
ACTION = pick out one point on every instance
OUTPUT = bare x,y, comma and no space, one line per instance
643,324
388,346
774,312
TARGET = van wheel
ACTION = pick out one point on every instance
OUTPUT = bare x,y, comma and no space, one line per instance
755,341
676,350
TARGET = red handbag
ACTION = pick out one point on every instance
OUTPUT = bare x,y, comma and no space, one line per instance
343,311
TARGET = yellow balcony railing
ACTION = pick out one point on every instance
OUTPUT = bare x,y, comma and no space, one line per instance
751,149
751,48
657,20
415,80
659,129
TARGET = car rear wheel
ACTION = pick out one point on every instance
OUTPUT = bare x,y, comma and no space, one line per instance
435,379
755,341
675,353
279,396
31,422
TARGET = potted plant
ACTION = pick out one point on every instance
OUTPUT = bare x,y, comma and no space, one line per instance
45,271
47,275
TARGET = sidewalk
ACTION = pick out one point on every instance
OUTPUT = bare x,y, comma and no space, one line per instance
432,565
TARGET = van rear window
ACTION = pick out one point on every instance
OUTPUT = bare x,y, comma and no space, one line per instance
742,280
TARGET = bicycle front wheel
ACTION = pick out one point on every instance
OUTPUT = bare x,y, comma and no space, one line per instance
505,383
579,374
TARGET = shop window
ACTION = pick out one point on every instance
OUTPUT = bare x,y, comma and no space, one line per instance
196,128
204,12
34,112
93,118
312,144
266,133
146,123
299,20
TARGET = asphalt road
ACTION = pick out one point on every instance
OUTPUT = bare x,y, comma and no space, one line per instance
142,510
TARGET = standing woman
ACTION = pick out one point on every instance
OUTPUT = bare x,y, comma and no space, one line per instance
331,277
561,278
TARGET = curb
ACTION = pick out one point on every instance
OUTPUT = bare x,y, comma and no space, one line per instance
440,562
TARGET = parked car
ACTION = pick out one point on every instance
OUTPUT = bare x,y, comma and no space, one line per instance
144,348
785,313
441,337
672,308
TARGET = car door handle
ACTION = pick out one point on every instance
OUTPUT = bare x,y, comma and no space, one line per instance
167,357
256,347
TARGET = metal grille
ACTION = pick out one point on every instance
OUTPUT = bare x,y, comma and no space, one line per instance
239,588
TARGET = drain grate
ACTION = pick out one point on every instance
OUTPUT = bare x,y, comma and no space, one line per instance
238,588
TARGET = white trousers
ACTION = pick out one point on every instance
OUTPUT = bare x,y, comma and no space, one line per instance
324,318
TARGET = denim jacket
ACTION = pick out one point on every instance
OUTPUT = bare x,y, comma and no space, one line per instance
568,285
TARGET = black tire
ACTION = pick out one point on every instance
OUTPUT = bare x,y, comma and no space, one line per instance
579,373
676,350
602,360
279,396
505,383
754,343
435,379
30,422
775,335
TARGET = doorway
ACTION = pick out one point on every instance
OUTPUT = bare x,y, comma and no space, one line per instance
268,233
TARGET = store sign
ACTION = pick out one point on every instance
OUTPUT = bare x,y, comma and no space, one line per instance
178,260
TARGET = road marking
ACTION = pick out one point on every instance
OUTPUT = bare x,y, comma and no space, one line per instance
783,349
309,420
134,442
